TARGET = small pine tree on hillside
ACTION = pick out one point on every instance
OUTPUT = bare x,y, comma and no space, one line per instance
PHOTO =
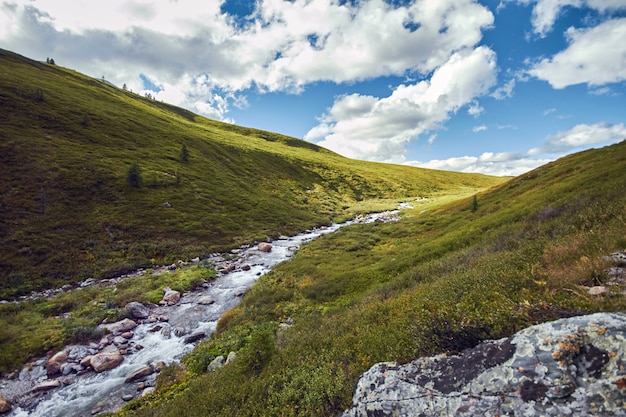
134,176
474,205
184,153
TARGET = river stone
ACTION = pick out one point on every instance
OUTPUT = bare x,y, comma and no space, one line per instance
54,364
47,386
140,373
86,361
137,310
265,247
105,360
120,326
5,406
571,366
147,390
127,397
206,300
170,296
195,337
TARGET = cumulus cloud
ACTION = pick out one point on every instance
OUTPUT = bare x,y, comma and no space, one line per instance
490,163
582,135
545,12
594,56
282,46
505,91
475,109
373,128
480,128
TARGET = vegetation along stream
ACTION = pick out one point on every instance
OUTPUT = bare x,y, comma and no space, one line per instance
163,337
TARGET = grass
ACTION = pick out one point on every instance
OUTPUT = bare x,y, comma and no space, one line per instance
97,181
440,280
476,257
34,327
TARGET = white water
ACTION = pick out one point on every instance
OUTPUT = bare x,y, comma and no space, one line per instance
104,391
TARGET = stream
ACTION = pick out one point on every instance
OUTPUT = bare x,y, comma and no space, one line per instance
87,393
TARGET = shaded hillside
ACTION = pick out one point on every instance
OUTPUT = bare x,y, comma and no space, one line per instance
440,280
95,180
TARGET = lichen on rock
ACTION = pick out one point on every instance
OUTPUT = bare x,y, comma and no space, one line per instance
573,366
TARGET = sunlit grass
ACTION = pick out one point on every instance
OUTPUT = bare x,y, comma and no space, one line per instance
69,211
439,280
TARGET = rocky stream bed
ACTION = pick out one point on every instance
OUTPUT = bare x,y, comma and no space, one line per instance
83,380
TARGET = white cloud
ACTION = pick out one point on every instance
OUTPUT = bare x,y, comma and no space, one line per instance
594,56
500,164
475,109
480,128
545,12
549,111
505,91
582,135
372,128
283,47
600,91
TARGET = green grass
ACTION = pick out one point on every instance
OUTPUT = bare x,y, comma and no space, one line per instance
442,279
68,210
32,328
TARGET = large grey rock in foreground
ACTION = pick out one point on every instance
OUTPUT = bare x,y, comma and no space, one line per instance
574,366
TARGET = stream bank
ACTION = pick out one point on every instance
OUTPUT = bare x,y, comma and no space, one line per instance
99,377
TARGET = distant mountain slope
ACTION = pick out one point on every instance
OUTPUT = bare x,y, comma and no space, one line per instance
95,180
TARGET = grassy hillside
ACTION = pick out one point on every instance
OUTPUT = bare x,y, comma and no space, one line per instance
96,181
441,279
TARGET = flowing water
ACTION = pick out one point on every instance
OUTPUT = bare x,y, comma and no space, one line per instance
91,393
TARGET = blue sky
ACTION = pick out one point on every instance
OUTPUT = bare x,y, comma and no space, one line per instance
492,86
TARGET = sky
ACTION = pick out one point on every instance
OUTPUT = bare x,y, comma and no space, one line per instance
498,87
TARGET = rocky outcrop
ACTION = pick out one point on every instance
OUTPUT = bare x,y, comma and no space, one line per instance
572,366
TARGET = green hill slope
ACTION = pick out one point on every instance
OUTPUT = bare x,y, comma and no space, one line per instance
96,181
440,280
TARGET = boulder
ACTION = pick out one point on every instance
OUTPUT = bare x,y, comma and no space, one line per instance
105,360
216,363
120,326
86,361
137,310
5,406
170,296
54,364
265,247
570,366
147,391
231,357
140,373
